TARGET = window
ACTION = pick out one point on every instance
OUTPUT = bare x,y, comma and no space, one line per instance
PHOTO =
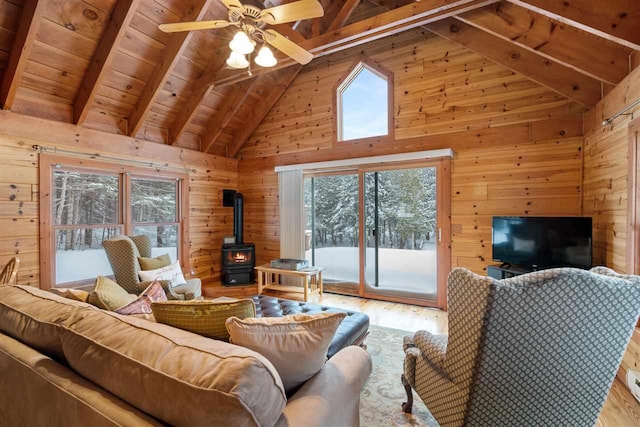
363,101
91,202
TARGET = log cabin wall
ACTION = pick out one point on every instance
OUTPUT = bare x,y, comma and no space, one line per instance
517,145
606,170
19,222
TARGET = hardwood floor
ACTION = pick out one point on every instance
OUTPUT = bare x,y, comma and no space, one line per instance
620,408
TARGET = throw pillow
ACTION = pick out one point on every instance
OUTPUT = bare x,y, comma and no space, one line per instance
296,345
108,295
74,294
205,318
142,305
154,263
172,273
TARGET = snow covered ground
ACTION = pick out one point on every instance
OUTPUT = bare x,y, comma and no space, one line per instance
400,269
72,266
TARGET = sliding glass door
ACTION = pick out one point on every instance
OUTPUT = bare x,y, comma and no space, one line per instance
332,230
378,231
401,233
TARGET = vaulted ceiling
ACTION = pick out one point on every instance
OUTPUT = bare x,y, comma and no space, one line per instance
104,64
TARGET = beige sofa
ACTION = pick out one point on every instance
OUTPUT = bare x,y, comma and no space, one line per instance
67,363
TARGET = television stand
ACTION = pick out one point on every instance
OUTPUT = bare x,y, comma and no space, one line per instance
504,271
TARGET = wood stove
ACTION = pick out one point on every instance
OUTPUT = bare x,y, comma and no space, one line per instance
238,259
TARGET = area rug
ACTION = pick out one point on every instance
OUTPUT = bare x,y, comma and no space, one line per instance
383,394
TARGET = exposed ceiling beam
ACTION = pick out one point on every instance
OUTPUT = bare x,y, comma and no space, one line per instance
343,14
25,36
195,98
230,106
615,20
101,62
588,54
260,111
386,24
557,77
170,56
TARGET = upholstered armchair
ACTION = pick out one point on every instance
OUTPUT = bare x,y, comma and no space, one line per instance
538,349
123,253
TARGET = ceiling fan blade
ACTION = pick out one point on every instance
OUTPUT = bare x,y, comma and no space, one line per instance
290,12
188,26
287,47
233,4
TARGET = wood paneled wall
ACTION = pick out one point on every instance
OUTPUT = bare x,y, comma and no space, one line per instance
517,145
606,170
208,175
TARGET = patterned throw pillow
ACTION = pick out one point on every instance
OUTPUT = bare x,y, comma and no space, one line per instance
172,273
296,345
108,295
142,305
205,318
154,263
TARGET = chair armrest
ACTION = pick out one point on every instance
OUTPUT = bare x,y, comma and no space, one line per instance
432,347
166,286
332,396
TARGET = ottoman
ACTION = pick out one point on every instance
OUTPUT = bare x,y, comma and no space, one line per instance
352,331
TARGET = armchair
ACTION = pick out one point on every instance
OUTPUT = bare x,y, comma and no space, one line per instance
538,349
123,253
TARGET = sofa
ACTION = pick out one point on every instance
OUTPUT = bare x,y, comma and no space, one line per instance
68,363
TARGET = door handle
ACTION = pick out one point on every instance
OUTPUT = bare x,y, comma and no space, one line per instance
439,234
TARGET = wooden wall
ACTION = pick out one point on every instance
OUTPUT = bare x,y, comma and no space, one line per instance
517,145
605,185
208,175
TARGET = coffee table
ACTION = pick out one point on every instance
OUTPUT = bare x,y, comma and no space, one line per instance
271,278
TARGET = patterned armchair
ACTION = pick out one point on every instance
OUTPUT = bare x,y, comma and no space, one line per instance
123,253
538,349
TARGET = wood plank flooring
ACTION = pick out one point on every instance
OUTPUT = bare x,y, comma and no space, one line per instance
620,409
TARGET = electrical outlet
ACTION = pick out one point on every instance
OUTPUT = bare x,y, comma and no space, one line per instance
633,382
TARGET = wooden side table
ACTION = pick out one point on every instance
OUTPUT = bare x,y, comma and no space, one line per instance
271,278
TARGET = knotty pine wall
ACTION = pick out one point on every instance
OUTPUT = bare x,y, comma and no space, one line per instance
19,221
606,168
517,145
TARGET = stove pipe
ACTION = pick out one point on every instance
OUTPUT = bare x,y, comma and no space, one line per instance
238,221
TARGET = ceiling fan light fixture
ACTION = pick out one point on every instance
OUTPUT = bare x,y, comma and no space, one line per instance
237,60
265,58
242,44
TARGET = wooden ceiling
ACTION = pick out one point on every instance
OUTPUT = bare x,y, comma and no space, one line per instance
104,64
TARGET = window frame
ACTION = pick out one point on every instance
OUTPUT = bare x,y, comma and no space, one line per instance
49,163
343,83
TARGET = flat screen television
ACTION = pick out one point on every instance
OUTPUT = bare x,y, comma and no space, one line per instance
542,242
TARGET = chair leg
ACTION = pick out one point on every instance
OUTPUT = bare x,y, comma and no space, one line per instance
408,405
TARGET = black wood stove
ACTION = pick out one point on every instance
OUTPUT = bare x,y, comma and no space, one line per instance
238,259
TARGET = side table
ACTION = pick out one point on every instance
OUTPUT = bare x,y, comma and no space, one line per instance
271,278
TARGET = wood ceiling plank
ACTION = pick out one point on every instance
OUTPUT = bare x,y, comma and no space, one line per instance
591,55
557,77
79,17
219,121
195,98
343,15
170,57
25,36
261,109
103,57
615,20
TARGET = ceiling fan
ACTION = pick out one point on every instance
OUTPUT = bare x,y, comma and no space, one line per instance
251,22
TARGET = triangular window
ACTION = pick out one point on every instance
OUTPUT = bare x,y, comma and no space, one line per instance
363,104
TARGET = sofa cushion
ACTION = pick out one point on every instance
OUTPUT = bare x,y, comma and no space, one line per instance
172,273
35,317
296,345
203,382
153,263
71,293
108,295
205,318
